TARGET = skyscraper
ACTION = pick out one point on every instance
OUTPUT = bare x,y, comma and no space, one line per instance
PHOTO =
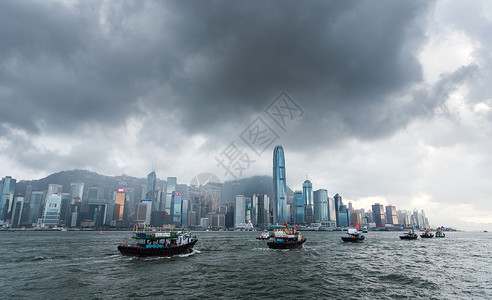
307,193
320,200
391,216
177,208
150,190
378,214
36,206
279,187
119,206
299,208
7,190
170,188
264,210
240,210
54,189
52,207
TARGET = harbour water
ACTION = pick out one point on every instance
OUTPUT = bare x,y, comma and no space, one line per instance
234,265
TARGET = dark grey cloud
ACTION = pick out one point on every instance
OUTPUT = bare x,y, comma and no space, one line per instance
212,62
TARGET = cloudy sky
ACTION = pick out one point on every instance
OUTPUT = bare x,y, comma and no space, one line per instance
380,101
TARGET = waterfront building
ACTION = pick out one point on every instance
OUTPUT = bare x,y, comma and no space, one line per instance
27,204
338,203
204,222
177,208
254,210
7,190
264,210
343,217
119,206
391,216
94,192
356,219
52,207
143,212
279,187
378,215
307,193
320,200
36,210
17,209
240,211
332,214
170,188
150,193
184,211
75,202
299,208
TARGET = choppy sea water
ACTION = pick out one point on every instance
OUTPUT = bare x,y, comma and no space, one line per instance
234,265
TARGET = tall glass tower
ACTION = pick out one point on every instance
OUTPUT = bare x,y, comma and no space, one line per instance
170,188
7,190
150,191
279,187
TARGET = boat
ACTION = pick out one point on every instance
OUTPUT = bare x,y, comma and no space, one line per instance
427,234
162,244
364,230
354,236
409,235
440,233
265,235
287,239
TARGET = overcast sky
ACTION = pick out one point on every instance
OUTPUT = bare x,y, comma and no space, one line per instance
380,101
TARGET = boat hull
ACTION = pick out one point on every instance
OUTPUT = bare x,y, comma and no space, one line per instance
406,237
129,250
286,245
349,239
426,236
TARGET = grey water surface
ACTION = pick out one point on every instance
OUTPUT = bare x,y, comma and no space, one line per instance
234,265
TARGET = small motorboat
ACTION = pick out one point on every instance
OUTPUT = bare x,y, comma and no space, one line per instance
364,230
354,236
265,235
427,234
409,235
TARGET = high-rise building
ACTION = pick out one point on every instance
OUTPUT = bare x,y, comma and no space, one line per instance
52,207
150,190
355,219
307,193
264,210
143,212
391,216
240,210
54,189
332,214
119,206
35,213
279,187
343,217
76,192
378,215
338,202
320,200
299,208
7,190
254,210
170,188
94,192
177,208
17,211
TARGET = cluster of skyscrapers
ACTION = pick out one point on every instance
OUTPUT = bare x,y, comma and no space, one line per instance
194,206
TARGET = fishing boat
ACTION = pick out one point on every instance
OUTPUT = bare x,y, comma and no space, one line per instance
354,236
409,235
427,234
440,233
265,235
153,243
287,239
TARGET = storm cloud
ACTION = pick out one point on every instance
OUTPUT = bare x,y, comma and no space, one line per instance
120,86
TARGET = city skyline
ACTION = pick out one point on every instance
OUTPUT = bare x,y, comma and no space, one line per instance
388,102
